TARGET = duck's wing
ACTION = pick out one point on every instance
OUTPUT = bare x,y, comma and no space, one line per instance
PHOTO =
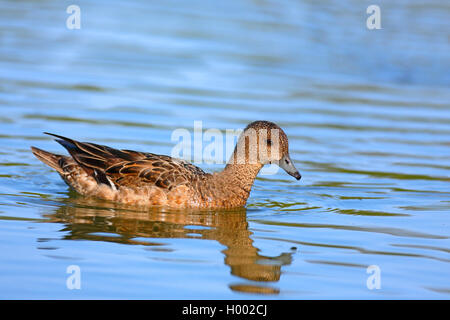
118,168
161,171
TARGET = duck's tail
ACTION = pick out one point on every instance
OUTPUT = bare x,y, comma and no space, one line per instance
50,159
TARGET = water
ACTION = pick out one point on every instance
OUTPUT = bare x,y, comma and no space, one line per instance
367,114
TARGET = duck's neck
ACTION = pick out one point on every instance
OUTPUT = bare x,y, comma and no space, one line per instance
238,179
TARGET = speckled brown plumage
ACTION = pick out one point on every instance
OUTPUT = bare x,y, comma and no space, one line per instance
142,178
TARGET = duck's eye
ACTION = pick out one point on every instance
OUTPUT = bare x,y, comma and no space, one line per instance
287,161
269,142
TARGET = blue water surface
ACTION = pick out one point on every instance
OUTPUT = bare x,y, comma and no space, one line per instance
367,115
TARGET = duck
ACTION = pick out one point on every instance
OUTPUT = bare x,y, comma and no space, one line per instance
148,179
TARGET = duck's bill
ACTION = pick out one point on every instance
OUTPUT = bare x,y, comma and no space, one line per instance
296,175
288,166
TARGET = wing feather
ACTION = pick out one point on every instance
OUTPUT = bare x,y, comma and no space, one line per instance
118,168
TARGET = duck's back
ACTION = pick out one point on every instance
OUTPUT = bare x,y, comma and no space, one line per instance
124,175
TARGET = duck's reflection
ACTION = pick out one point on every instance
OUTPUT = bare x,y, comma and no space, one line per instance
94,220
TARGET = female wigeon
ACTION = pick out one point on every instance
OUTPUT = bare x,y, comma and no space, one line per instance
142,178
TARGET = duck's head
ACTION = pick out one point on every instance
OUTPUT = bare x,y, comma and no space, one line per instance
265,142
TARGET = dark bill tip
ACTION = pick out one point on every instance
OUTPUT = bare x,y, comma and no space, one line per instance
297,175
